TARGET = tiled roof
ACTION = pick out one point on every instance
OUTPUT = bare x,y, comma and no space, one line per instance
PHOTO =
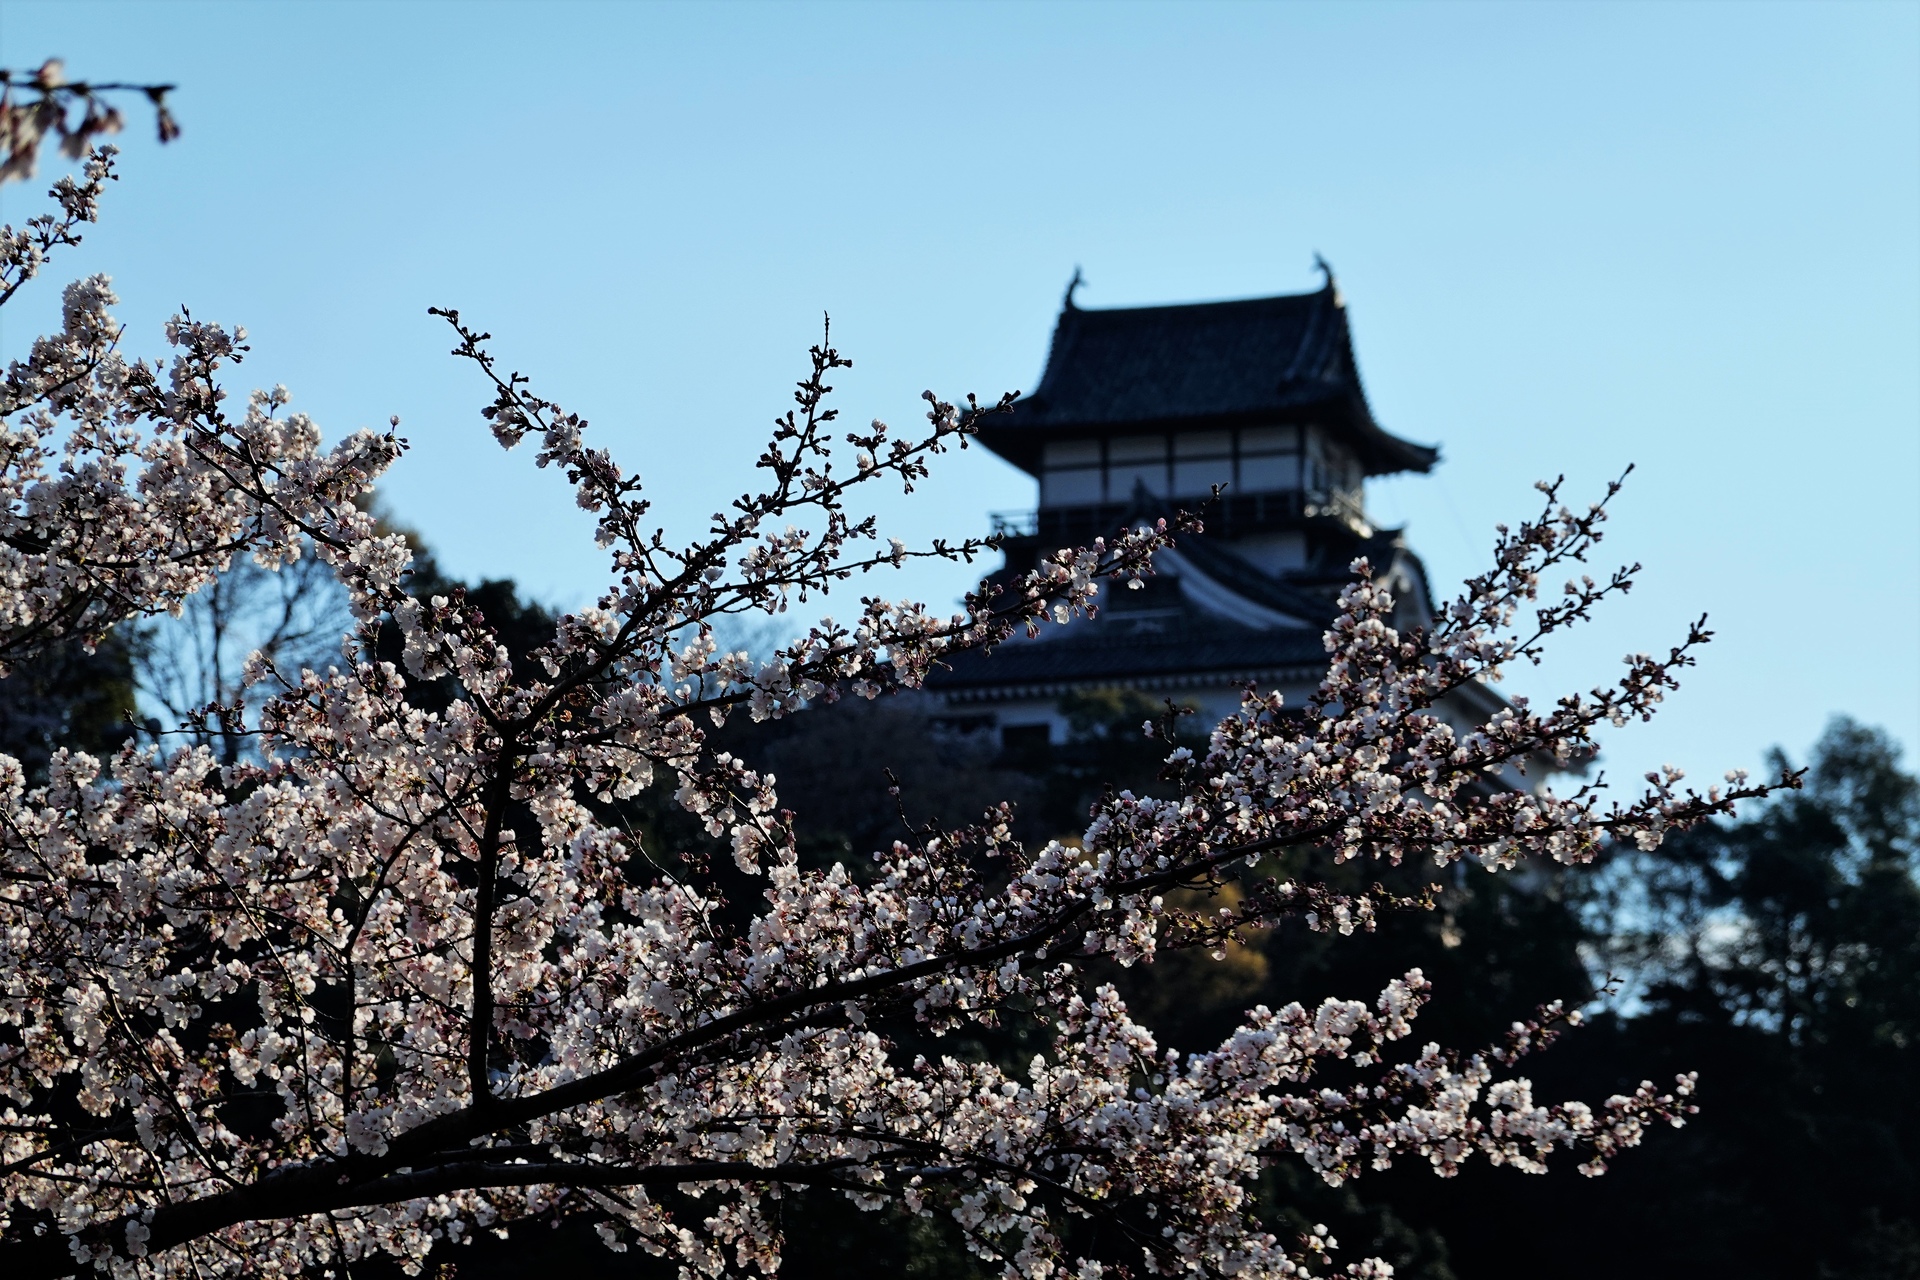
1230,571
1281,359
1117,650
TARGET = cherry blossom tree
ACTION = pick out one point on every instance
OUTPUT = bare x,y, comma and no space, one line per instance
401,977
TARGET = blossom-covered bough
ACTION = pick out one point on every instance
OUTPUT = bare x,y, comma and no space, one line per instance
406,978
126,486
40,105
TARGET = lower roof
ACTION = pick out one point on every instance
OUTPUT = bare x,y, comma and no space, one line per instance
1143,651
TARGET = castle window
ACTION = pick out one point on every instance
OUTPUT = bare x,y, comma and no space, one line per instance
1070,486
1272,473
1136,460
1269,459
1073,453
1270,440
1072,474
1201,459
1331,468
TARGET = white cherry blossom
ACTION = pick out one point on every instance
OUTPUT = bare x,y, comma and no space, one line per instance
408,979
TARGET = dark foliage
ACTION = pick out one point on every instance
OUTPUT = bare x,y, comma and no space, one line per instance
837,772
1779,956
522,625
67,697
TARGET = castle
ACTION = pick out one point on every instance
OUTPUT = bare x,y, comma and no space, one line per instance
1140,412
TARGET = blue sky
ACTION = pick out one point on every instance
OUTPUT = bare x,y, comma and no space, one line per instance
1572,238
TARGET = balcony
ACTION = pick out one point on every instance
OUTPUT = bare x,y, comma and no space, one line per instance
1014,524
1233,515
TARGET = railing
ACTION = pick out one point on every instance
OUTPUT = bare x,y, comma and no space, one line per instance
1340,504
1014,524
1234,513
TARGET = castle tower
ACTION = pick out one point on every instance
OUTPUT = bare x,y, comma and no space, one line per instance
1140,412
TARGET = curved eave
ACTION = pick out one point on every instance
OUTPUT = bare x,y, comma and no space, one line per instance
1211,654
1020,437
1317,380
1385,454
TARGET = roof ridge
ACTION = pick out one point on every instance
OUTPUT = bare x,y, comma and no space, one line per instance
1250,300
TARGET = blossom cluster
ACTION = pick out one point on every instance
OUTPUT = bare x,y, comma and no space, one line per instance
126,485
40,105
407,978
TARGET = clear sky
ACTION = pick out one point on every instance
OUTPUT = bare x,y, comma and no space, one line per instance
1572,237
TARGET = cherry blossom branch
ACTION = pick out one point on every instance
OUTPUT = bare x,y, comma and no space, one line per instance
423,948
26,121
